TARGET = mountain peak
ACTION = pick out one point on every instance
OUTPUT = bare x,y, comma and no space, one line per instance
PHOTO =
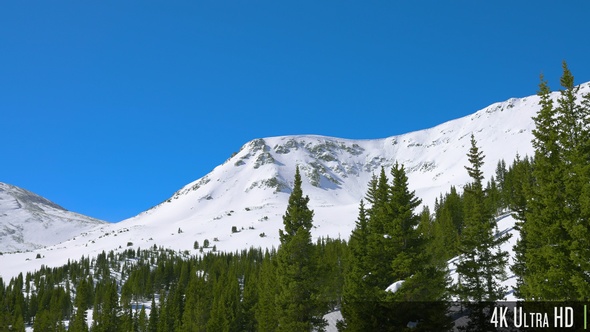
24,198
29,221
240,203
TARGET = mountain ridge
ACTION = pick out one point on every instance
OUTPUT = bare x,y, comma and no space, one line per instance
29,221
240,203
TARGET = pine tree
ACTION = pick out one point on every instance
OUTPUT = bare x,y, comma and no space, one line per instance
493,199
19,325
225,309
447,225
403,239
518,184
266,310
378,228
356,305
482,264
387,246
420,298
153,319
501,171
107,318
372,190
580,228
573,123
297,305
331,256
445,237
250,294
78,322
142,321
544,267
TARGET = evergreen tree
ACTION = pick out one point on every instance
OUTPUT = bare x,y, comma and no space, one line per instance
517,186
107,319
81,301
332,255
482,264
250,295
153,319
297,305
225,310
405,242
573,122
544,267
19,324
142,321
387,246
493,199
501,171
356,303
378,255
580,227
372,190
445,237
447,225
266,310
420,298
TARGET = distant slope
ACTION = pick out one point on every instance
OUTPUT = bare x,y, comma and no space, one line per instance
29,221
250,190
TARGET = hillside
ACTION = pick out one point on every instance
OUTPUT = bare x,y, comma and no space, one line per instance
250,190
29,221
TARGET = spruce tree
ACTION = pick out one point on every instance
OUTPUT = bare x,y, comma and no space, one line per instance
420,298
371,191
142,321
297,305
369,271
481,265
331,256
580,228
196,311
386,246
403,239
153,319
250,294
107,318
78,322
445,238
356,302
573,122
544,266
378,228
266,309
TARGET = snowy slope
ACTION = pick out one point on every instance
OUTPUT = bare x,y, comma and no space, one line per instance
250,190
29,221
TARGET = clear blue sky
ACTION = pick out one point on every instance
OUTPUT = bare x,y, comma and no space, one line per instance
108,107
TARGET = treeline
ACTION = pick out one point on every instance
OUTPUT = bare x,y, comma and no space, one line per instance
392,274
162,290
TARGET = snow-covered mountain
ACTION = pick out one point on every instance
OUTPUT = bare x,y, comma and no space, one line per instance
29,221
240,203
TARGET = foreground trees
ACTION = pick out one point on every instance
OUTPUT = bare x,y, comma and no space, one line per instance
298,308
553,254
482,264
387,246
